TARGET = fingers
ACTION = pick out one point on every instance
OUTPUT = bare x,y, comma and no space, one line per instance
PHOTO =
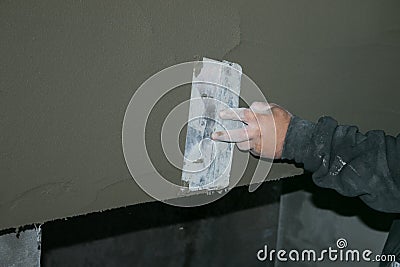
244,146
246,114
237,114
236,135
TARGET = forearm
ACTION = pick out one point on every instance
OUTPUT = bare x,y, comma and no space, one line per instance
352,163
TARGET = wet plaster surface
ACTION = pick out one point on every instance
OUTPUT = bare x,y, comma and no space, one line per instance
69,69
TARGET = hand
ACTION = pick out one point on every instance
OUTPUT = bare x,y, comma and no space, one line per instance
257,135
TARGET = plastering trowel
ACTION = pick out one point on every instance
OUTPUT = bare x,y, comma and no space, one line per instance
215,86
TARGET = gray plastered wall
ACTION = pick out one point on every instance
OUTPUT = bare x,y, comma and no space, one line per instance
69,69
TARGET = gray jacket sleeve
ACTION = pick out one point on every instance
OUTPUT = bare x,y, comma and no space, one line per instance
352,163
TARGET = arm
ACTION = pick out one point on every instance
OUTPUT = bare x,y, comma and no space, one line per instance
340,157
352,163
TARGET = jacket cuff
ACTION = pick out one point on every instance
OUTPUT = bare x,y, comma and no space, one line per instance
309,143
298,139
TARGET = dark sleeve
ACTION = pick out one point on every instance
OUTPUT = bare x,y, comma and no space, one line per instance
352,163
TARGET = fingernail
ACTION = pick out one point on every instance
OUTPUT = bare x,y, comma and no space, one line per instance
222,113
216,135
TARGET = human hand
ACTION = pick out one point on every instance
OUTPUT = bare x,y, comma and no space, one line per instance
257,134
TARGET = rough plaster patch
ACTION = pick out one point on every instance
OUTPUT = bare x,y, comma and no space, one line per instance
21,250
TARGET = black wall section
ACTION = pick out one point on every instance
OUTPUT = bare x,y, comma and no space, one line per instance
315,218
228,232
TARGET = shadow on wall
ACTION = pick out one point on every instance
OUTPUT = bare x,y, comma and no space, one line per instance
329,199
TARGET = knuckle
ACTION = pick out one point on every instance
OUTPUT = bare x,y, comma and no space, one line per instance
257,147
245,113
252,132
248,114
